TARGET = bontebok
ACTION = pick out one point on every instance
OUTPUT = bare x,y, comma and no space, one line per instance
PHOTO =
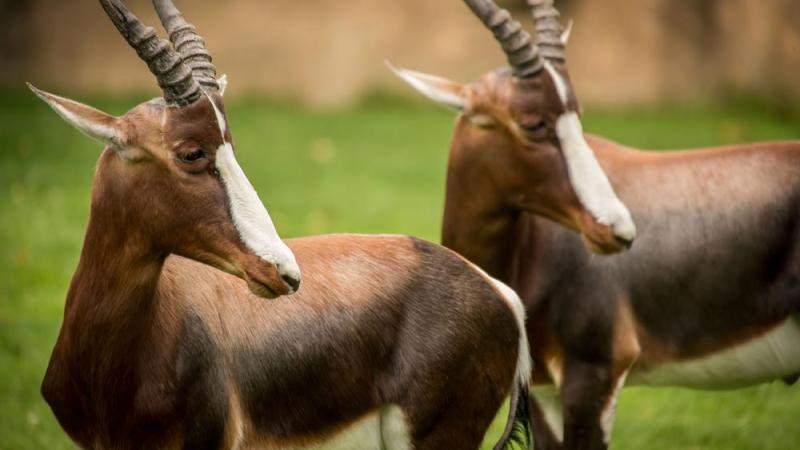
388,342
519,142
708,297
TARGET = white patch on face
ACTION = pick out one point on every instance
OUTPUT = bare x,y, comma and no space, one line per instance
586,176
248,212
549,401
610,411
771,356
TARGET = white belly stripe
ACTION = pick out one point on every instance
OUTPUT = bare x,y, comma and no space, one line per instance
769,357
364,434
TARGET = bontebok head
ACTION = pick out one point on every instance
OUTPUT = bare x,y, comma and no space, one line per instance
168,175
519,137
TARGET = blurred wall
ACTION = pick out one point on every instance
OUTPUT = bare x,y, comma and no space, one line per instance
330,52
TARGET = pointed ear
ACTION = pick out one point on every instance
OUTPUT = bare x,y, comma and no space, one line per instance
223,84
567,33
441,90
92,122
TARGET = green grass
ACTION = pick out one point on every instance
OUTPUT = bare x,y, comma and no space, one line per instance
374,168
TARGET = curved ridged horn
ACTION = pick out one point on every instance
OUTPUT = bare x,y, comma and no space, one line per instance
188,43
548,29
175,78
522,55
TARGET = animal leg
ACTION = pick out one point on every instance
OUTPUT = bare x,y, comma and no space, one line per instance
462,421
547,417
457,429
586,393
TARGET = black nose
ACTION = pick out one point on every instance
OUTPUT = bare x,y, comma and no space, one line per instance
292,281
627,243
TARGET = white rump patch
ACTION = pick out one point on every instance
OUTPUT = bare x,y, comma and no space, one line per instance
774,355
248,212
513,302
590,183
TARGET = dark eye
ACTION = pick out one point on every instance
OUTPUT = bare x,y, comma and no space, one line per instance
535,131
535,128
194,155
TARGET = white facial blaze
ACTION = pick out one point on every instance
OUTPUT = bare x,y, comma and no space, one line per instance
586,176
248,212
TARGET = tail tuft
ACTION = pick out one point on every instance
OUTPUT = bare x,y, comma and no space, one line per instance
518,433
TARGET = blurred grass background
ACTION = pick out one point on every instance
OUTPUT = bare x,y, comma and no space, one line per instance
376,167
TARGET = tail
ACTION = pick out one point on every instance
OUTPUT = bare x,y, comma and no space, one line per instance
518,433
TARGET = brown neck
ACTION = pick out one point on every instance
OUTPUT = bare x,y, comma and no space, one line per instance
113,277
111,298
109,310
479,226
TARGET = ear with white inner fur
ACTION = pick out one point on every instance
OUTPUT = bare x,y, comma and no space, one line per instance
441,90
92,122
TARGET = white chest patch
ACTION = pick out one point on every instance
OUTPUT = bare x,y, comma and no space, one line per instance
381,430
766,358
